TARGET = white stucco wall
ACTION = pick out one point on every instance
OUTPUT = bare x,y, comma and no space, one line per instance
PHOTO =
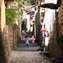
49,20
28,22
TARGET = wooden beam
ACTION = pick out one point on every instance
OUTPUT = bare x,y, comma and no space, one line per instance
8,0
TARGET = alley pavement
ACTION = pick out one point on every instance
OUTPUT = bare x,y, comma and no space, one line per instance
25,54
28,57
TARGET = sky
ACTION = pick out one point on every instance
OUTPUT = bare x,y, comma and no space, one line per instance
51,1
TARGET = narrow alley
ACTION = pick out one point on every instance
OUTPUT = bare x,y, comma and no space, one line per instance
31,31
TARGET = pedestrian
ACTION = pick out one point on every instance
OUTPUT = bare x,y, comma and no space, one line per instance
46,42
46,38
43,29
27,43
33,40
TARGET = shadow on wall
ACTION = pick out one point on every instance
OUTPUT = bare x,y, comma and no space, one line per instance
2,51
56,48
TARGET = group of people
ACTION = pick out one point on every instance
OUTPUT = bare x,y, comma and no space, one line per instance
32,40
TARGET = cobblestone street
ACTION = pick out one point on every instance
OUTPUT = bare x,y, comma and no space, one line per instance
27,57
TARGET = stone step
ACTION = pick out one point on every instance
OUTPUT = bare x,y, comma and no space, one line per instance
27,48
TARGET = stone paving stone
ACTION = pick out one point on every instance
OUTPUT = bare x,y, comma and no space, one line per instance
27,57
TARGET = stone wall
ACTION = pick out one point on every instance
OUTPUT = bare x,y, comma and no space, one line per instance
6,43
11,33
16,36
10,39
60,20
10,36
55,49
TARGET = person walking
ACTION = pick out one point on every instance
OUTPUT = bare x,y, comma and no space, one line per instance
33,40
27,41
46,42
